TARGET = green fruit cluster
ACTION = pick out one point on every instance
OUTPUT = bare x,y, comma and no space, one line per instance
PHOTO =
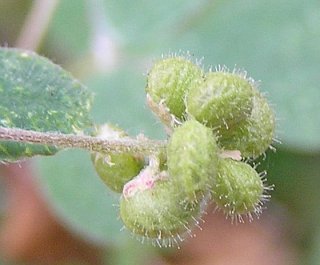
227,102
210,116
164,204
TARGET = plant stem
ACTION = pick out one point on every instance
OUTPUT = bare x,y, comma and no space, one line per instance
90,143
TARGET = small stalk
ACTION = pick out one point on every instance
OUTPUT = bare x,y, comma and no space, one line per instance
90,143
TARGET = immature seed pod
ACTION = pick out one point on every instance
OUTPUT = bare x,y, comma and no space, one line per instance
254,135
192,156
238,190
168,82
115,169
159,213
223,99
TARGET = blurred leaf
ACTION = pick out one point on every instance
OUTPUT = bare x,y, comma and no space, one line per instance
146,25
69,28
139,28
38,95
296,178
79,197
295,173
120,99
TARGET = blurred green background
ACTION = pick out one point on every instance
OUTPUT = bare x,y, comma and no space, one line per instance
109,45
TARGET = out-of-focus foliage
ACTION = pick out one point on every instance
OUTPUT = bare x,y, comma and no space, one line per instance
80,197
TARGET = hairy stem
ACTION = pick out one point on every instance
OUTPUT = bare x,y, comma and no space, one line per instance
90,143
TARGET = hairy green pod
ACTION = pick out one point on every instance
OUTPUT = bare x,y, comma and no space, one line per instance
253,136
116,169
192,156
223,99
158,213
169,80
238,189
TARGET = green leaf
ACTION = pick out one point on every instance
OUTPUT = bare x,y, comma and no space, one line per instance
38,95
